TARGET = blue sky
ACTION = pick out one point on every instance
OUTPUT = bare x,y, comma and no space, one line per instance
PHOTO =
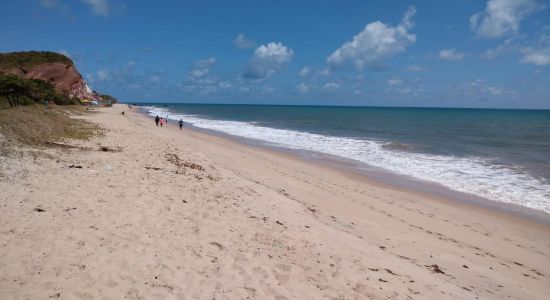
453,53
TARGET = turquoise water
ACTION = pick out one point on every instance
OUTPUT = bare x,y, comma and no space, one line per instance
501,155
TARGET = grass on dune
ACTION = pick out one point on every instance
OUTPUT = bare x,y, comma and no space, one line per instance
39,126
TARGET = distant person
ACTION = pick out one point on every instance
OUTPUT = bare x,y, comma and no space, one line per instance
162,121
157,120
166,119
180,123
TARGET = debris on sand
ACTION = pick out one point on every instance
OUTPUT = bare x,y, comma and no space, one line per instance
220,246
391,272
108,149
64,146
435,268
179,163
152,168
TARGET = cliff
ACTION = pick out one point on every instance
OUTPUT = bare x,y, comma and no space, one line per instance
51,67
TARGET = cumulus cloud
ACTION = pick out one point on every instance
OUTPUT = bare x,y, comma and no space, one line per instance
330,86
243,42
276,52
303,88
99,7
538,57
324,72
267,60
375,42
304,71
201,68
450,54
202,78
502,17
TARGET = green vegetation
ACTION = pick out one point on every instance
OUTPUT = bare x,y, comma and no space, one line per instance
37,125
109,98
18,91
29,59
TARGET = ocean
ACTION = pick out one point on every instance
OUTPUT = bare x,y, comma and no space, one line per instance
496,154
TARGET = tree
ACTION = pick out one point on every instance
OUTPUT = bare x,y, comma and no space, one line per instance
41,90
110,98
12,86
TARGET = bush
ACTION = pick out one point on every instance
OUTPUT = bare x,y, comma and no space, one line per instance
21,91
109,98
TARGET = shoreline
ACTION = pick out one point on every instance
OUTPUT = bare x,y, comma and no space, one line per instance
353,169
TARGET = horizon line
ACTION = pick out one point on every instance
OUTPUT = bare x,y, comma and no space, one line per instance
330,105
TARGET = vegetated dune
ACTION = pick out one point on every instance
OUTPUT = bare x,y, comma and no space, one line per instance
62,74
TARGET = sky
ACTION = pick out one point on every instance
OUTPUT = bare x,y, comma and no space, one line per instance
452,53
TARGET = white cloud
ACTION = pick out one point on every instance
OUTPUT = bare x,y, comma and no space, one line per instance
201,68
203,79
506,47
225,85
243,42
102,75
481,87
267,60
99,7
375,42
276,52
450,54
154,79
331,86
502,17
303,88
395,82
539,57
324,72
304,71
55,5
415,68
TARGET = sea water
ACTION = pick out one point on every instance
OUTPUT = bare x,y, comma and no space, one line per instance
500,155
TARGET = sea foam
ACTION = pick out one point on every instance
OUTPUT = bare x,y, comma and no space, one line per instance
473,175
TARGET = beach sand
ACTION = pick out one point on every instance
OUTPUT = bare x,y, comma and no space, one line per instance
170,214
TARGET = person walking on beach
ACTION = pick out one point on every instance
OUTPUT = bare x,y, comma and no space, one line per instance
166,119
157,119
180,123
162,122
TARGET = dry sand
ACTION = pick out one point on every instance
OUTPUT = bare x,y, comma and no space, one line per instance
186,215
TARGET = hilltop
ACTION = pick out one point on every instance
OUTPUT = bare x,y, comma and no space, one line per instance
37,71
28,59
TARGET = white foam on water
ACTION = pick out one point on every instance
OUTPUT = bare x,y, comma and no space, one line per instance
474,175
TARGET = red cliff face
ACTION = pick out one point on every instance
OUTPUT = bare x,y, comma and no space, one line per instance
65,78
